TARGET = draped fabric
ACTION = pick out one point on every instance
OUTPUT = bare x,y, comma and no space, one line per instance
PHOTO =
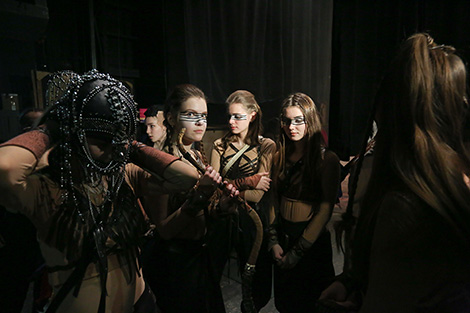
275,47
269,47
366,36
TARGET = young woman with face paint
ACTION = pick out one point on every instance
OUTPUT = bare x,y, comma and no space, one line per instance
243,154
178,265
306,184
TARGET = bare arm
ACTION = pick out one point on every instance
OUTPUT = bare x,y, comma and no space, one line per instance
19,157
179,176
272,239
170,224
16,164
168,173
154,191
274,209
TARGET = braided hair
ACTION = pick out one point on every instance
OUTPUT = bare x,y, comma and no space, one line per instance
175,99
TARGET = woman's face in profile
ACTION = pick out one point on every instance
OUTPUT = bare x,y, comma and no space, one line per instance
239,118
155,128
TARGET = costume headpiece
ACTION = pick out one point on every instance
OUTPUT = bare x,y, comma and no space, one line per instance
90,105
93,105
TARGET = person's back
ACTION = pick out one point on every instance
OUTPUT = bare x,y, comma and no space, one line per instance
410,251
415,257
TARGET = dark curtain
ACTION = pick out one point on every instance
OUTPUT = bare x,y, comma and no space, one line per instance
269,47
366,35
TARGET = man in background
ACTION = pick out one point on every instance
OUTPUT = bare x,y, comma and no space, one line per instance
154,125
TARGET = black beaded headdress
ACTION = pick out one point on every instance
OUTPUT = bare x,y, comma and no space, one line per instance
92,105
91,213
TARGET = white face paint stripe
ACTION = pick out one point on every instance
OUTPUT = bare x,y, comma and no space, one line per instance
298,120
195,118
238,117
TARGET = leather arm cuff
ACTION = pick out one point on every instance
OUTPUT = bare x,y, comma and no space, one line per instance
247,182
150,159
302,246
37,141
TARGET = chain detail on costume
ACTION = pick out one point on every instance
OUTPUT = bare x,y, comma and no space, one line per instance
118,119
75,104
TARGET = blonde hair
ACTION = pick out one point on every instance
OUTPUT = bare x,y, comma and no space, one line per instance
248,101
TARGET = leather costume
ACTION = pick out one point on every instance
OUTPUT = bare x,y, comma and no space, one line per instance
300,195
241,230
177,264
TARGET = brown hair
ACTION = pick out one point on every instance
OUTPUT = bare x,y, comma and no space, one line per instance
314,138
175,99
420,110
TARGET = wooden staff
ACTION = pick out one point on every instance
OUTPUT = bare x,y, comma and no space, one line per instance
249,270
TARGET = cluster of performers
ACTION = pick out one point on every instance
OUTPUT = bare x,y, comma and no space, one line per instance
94,194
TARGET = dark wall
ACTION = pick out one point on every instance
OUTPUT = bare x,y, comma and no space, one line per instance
22,24
143,42
366,35
129,42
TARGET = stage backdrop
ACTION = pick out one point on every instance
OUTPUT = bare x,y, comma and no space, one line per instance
271,48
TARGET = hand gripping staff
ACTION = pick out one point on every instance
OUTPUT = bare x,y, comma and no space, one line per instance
249,270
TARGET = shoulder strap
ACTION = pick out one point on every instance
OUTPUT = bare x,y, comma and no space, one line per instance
234,159
74,280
